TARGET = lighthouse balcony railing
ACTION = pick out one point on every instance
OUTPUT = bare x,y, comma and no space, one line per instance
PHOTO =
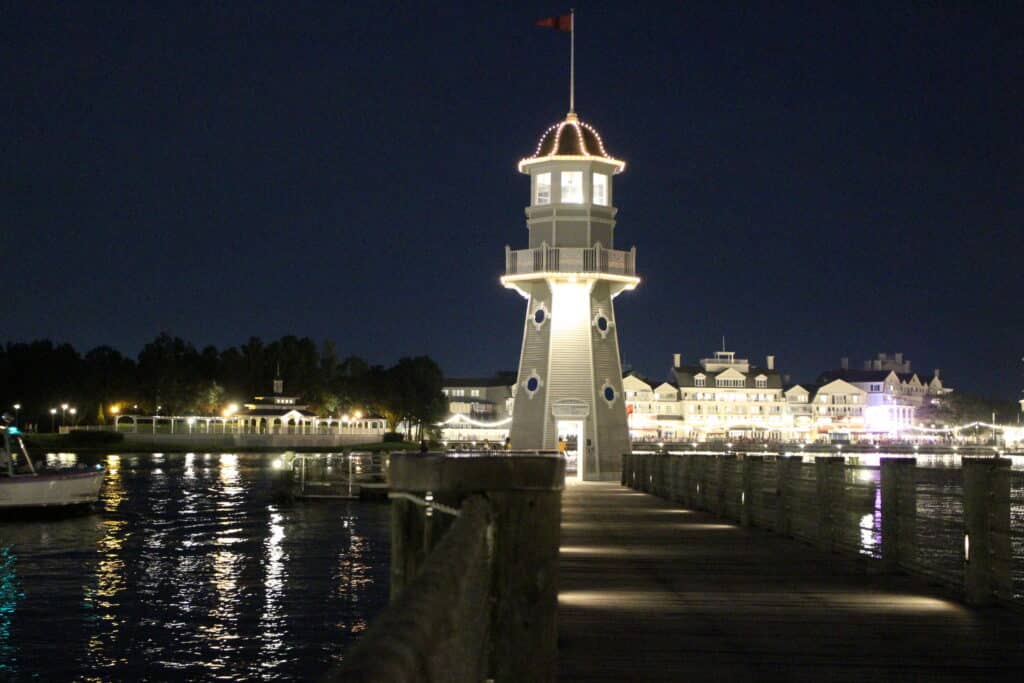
545,259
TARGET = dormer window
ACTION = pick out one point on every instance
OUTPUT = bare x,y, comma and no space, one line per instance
543,193
572,187
600,189
698,381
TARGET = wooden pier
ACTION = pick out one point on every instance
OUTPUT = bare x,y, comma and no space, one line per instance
652,592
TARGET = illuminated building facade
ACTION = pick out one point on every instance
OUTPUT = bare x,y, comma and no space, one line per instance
727,398
722,397
569,383
479,409
892,391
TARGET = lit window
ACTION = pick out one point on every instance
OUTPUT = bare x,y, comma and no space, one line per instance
572,187
601,189
543,189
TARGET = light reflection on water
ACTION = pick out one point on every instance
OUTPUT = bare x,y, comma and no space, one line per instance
190,570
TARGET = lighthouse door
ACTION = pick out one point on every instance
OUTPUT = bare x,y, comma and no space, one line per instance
571,439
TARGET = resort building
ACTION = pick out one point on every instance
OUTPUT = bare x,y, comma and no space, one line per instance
800,409
479,409
279,413
722,397
273,414
487,399
838,411
893,392
727,398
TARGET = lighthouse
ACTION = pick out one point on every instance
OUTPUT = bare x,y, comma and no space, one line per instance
569,385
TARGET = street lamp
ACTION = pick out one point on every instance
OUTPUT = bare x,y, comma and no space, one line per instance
17,409
53,418
63,413
73,411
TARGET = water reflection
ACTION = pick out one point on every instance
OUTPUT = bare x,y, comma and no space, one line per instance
871,528
101,598
189,570
351,572
10,594
272,631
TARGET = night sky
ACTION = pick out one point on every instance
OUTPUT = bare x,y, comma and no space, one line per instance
809,181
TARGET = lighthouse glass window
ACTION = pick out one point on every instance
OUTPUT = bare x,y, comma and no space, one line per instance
572,187
543,189
601,189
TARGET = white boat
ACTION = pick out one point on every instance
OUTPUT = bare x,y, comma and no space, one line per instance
23,485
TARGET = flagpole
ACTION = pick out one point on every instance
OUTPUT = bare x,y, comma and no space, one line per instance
572,61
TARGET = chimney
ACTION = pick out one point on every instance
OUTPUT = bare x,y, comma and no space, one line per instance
844,363
770,362
677,360
877,365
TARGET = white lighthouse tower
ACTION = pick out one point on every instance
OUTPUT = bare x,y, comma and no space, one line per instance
570,377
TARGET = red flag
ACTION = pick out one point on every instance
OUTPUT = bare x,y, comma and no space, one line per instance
562,23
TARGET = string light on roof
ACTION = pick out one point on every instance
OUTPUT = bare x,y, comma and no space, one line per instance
600,142
579,138
558,138
552,140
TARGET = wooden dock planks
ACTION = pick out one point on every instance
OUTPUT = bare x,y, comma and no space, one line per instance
649,592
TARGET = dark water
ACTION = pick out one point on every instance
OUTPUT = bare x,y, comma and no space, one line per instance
190,570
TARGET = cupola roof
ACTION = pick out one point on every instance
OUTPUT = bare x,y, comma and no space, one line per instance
570,139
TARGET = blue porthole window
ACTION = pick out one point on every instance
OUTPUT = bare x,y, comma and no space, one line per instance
609,394
532,384
602,323
539,316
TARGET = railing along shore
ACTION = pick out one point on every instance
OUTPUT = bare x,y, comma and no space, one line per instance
963,527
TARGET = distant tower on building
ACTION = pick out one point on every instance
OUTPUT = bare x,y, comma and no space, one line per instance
570,378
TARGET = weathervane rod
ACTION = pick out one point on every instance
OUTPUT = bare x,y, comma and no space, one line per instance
572,60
